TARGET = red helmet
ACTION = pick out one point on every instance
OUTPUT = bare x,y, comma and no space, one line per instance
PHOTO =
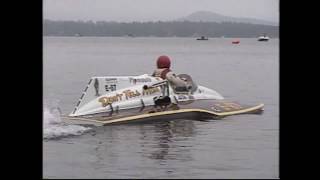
163,62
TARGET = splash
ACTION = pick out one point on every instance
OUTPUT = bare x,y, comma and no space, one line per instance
54,127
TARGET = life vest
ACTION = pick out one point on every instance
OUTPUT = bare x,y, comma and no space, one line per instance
161,73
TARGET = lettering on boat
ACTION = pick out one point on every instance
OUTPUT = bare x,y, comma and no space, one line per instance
111,80
182,97
227,106
130,94
110,87
126,94
150,91
110,99
139,80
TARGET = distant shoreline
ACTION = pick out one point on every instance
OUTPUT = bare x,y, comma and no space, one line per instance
150,37
157,29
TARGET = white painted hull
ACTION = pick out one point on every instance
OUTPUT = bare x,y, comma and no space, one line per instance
105,94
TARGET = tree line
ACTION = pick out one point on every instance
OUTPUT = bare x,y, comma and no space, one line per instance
157,29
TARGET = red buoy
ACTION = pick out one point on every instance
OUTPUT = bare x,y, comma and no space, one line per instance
236,42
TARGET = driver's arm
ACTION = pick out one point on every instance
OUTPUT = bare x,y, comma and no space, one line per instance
175,79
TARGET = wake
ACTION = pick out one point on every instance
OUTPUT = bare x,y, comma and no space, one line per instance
54,127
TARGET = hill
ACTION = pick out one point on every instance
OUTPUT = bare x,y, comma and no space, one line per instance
207,16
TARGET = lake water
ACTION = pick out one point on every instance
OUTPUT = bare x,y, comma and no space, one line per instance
243,146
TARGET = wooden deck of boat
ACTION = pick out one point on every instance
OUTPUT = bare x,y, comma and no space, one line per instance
199,109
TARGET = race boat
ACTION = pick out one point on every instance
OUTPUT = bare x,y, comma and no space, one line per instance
124,99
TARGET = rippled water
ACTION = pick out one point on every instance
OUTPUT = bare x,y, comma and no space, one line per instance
244,146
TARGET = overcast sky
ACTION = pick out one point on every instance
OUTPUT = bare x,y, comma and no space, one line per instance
154,10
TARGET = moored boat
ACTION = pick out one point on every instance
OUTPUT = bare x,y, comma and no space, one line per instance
263,38
203,38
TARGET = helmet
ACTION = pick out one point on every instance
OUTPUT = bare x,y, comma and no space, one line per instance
163,62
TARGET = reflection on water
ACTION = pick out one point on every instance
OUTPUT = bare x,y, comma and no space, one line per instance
159,142
167,140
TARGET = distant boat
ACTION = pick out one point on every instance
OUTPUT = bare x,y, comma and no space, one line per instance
77,35
236,42
263,38
203,38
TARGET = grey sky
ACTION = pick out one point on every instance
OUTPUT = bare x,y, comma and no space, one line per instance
154,10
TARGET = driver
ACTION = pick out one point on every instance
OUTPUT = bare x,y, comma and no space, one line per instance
163,71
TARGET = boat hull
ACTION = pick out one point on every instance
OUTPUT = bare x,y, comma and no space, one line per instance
192,109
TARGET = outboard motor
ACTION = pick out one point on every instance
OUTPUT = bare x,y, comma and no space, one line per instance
191,86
